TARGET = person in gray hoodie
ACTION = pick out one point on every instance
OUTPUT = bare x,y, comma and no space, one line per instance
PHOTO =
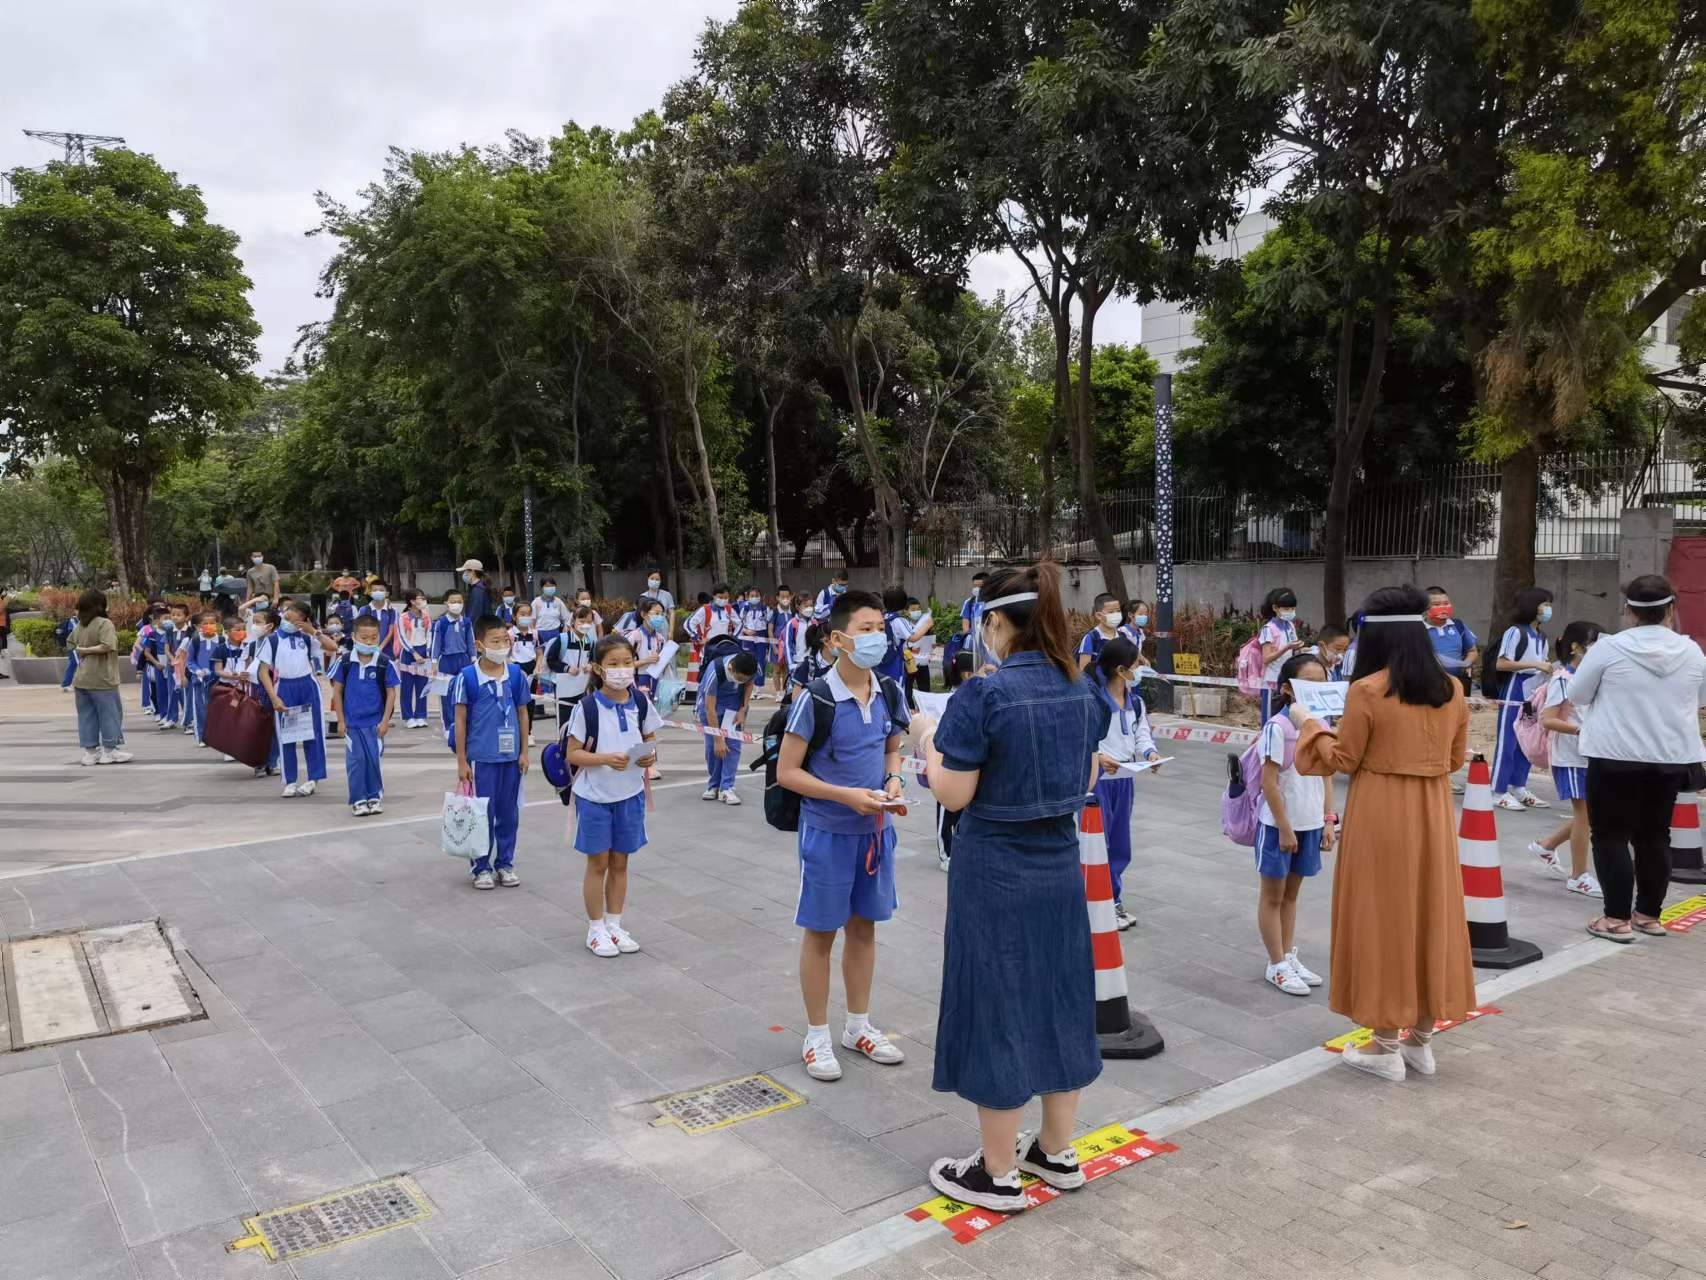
1639,693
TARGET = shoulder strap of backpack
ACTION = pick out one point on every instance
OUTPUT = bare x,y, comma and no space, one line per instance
822,724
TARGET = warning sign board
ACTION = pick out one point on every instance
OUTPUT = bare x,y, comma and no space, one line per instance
1684,915
1362,1035
1187,664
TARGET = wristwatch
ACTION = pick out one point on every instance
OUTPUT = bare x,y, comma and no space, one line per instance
897,777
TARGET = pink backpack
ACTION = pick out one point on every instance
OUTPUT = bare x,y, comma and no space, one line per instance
1251,673
1533,737
1242,802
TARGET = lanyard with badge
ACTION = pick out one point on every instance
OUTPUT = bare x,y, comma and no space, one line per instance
507,735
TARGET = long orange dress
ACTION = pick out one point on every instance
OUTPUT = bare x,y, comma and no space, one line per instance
1400,941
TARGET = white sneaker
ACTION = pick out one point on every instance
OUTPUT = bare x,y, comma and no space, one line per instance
116,757
291,791
818,1053
508,879
1585,884
873,1044
91,757
306,789
1548,858
623,939
1418,1057
1528,799
1507,801
598,941
729,797
1297,967
359,809
1123,919
942,861
1388,1066
376,806
189,732
1282,975
483,880
710,793
230,759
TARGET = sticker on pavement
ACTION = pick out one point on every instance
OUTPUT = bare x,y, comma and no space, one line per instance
1362,1035
1684,915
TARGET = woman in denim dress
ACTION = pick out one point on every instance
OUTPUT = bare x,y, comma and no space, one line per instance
1014,754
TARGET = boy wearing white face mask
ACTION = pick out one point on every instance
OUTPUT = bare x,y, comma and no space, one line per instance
452,649
848,779
1109,616
491,739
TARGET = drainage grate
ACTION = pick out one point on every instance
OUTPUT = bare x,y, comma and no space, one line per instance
717,1106
352,1214
80,983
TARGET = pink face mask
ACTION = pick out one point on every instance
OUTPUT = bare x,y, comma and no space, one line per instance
619,677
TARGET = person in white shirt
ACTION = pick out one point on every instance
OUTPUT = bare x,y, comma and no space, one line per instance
551,613
1279,641
1127,741
1569,766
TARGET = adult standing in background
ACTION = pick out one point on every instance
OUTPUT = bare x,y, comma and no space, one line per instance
1640,693
479,593
1521,656
5,630
100,710
262,578
205,585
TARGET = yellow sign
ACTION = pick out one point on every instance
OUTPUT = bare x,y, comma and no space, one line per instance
1687,907
1187,664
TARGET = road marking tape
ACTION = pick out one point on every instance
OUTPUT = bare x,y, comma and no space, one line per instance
1683,916
1362,1035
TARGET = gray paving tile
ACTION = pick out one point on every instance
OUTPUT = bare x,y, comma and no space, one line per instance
163,1190
685,1164
594,1078
293,1017
355,979
277,1181
507,947
82,1243
228,941
400,1127
465,1071
255,1124
28,1060
223,1062
484,1215
517,1023
536,1134
35,1102
200,1254
637,1227
926,1142
45,1173
830,1158
771,1215
869,1107
566,1261
341,1066
112,1060
395,1255
407,1020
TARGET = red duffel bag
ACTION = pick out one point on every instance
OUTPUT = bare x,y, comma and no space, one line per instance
238,723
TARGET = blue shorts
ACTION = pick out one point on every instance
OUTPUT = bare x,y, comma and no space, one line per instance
618,826
1572,783
1274,863
842,876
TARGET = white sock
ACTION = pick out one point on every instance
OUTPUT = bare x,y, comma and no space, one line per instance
613,923
857,1022
817,1033
593,926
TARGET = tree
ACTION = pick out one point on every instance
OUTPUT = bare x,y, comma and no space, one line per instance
125,331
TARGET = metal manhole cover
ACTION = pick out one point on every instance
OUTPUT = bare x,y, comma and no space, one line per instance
717,1106
79,983
351,1214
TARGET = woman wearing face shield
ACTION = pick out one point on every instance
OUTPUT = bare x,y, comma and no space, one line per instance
1014,754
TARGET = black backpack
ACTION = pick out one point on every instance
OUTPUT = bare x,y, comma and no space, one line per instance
782,806
717,648
554,760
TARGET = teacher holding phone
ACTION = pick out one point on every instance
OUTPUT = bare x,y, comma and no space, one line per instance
1014,756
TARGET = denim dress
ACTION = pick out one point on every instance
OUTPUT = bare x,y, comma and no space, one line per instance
1018,1010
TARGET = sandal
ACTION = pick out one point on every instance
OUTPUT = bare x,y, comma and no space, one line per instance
1611,930
1652,928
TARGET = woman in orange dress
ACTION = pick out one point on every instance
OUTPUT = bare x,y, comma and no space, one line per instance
1401,954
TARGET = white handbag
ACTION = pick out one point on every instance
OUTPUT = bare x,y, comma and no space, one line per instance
465,832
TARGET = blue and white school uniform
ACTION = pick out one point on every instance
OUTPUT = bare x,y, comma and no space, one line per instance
647,645
715,682
551,616
168,698
524,649
1569,765
898,628
1094,641
1137,635
506,611
144,672
414,662
198,670
610,804
1305,801
291,655
712,620
755,633
494,749
367,681
1128,740
387,615
794,642
573,652
451,649
1274,631
1510,765
344,612
846,858
826,601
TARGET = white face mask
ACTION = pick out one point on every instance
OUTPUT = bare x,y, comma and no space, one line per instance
496,655
454,610
652,584
1112,620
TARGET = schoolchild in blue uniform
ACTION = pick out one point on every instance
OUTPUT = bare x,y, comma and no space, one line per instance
451,650
492,708
1330,645
1521,661
289,658
158,652
971,616
1127,741
846,848
827,597
343,609
609,789
647,639
725,692
203,647
364,697
570,662
243,664
898,629
794,647
379,606
340,636
62,633
781,619
755,637
551,614
506,607
1109,622
414,659
1136,626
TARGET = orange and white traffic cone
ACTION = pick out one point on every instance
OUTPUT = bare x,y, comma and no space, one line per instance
1686,866
693,676
1483,878
1123,1034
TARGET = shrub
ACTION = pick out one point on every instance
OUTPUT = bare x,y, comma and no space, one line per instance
24,601
126,611
947,616
126,641
36,635
58,602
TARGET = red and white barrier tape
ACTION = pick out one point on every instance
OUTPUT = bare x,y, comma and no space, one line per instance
908,764
1227,682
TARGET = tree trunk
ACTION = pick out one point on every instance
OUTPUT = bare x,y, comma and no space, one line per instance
126,495
672,509
849,556
1062,318
708,494
1519,514
772,412
1107,551
892,536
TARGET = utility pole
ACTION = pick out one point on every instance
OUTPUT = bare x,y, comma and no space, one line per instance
76,144
1164,524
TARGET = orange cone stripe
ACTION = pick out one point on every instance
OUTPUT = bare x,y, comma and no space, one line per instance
1098,882
1478,824
1483,882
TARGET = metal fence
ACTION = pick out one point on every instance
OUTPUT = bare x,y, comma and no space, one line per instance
1451,512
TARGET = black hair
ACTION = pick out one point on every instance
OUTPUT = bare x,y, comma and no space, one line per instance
1288,672
290,606
980,576
1118,652
377,582
547,582
721,589
604,648
840,575
486,624
1039,625
588,591
1579,632
583,611
646,606
453,592
749,588
816,633
1102,600
1649,586
1527,606
1328,633
914,600
743,664
1277,599
91,604
1437,591
963,662
703,598
783,586
894,599
1402,650
847,604
362,620
267,617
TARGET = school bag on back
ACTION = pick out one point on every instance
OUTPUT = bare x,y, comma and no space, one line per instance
1251,673
782,806
554,759
718,647
1531,735
1241,803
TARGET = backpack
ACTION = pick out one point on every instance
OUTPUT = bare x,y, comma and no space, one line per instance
1496,683
894,658
1241,804
1252,673
554,759
782,806
718,647
1531,735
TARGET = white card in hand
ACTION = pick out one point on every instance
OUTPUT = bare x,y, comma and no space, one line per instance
1135,767
1322,698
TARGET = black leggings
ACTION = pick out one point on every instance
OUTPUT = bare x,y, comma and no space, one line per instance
1630,807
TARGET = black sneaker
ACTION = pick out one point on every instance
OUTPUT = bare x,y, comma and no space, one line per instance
970,1183
1060,1171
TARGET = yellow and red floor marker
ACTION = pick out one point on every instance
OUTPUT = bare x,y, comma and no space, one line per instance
1684,915
1362,1035
1107,1150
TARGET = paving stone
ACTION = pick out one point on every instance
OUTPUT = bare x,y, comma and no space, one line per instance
484,1215
81,1243
926,1142
567,1261
163,1190
594,1078
536,1134
130,1116
35,1102
829,1157
869,1108
256,1124
396,1255
400,1127
465,1071
200,1254
112,1060
636,1226
517,1023
340,1066
407,1020
771,1215
290,1178
45,1173
221,1063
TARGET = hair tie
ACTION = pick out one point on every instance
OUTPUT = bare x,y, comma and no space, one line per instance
1648,604
1017,598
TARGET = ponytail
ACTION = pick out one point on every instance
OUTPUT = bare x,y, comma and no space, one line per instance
1040,624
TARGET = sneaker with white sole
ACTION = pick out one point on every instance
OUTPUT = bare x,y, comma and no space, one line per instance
1282,975
710,793
623,939
1528,799
1418,1056
1060,1171
483,880
1388,1066
1298,967
508,879
729,796
1507,801
599,942
306,789
818,1053
115,757
1123,919
376,806
873,1044
1548,858
968,1182
291,791
89,758
1585,884
359,809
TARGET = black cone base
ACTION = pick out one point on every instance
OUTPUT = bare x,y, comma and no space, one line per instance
1513,955
1140,1040
1689,872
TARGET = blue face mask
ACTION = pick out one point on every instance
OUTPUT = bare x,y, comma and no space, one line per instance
366,650
288,627
1140,619
1545,614
837,588
869,649
658,623
550,591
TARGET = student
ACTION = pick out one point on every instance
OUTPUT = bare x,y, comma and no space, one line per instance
1136,625
155,642
1109,617
754,619
182,633
609,790
1331,644
61,633
492,702
583,600
846,848
523,639
139,656
714,618
199,657
781,619
899,629
919,648
794,648
451,650
551,614
287,665
971,612
364,697
570,661
1127,741
1295,829
1456,645
826,598
647,639
1521,655
378,606
1569,766
335,632
343,609
948,820
816,664
414,659
1279,640
725,692
506,607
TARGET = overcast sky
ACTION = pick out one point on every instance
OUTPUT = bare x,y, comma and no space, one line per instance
260,104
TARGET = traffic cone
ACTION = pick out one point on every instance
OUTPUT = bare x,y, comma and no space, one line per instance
1686,866
1123,1034
693,676
1483,878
